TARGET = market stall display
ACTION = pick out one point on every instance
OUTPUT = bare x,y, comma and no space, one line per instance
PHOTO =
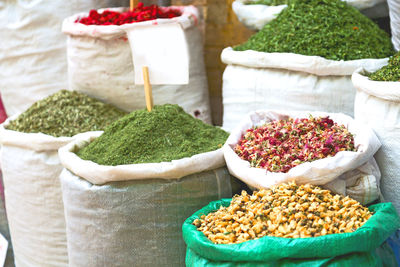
377,104
311,70
31,170
33,50
89,184
255,14
128,190
330,149
262,235
100,59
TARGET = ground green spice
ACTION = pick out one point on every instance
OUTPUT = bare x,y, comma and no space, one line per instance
267,2
390,72
328,28
164,134
66,113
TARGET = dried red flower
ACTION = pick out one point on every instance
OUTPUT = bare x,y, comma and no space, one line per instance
281,145
138,14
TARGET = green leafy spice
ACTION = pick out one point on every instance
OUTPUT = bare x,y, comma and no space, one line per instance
268,2
327,28
66,113
390,72
164,134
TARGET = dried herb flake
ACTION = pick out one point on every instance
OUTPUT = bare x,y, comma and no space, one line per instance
390,72
328,28
164,134
66,113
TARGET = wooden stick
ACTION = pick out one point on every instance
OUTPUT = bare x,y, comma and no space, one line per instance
147,88
132,4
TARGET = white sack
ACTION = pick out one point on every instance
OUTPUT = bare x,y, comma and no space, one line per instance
364,4
318,172
362,184
135,220
255,17
257,80
380,10
100,65
101,174
35,212
33,61
4,230
394,12
377,105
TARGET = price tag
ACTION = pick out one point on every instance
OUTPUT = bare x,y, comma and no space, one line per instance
163,49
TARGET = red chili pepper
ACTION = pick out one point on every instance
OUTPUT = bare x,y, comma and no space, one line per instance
138,14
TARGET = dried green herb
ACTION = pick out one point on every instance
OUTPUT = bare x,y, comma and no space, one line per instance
328,28
390,72
66,113
267,2
164,134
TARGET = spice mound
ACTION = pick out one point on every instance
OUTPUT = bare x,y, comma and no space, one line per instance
66,113
287,210
138,14
164,134
328,28
390,72
281,145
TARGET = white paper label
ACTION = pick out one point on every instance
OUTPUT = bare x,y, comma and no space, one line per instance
163,49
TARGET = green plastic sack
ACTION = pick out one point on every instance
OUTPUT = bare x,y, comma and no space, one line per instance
348,249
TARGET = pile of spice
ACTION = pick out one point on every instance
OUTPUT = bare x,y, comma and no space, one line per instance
66,113
164,134
281,145
138,14
267,2
390,72
328,28
287,210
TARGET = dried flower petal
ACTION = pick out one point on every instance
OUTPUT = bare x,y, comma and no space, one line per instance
281,145
138,14
287,210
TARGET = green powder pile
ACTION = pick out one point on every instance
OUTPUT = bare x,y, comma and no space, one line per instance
328,28
390,72
164,134
66,113
267,2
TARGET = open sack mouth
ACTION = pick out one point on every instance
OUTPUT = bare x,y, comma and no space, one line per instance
281,145
271,147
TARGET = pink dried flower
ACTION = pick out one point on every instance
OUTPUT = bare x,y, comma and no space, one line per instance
281,145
